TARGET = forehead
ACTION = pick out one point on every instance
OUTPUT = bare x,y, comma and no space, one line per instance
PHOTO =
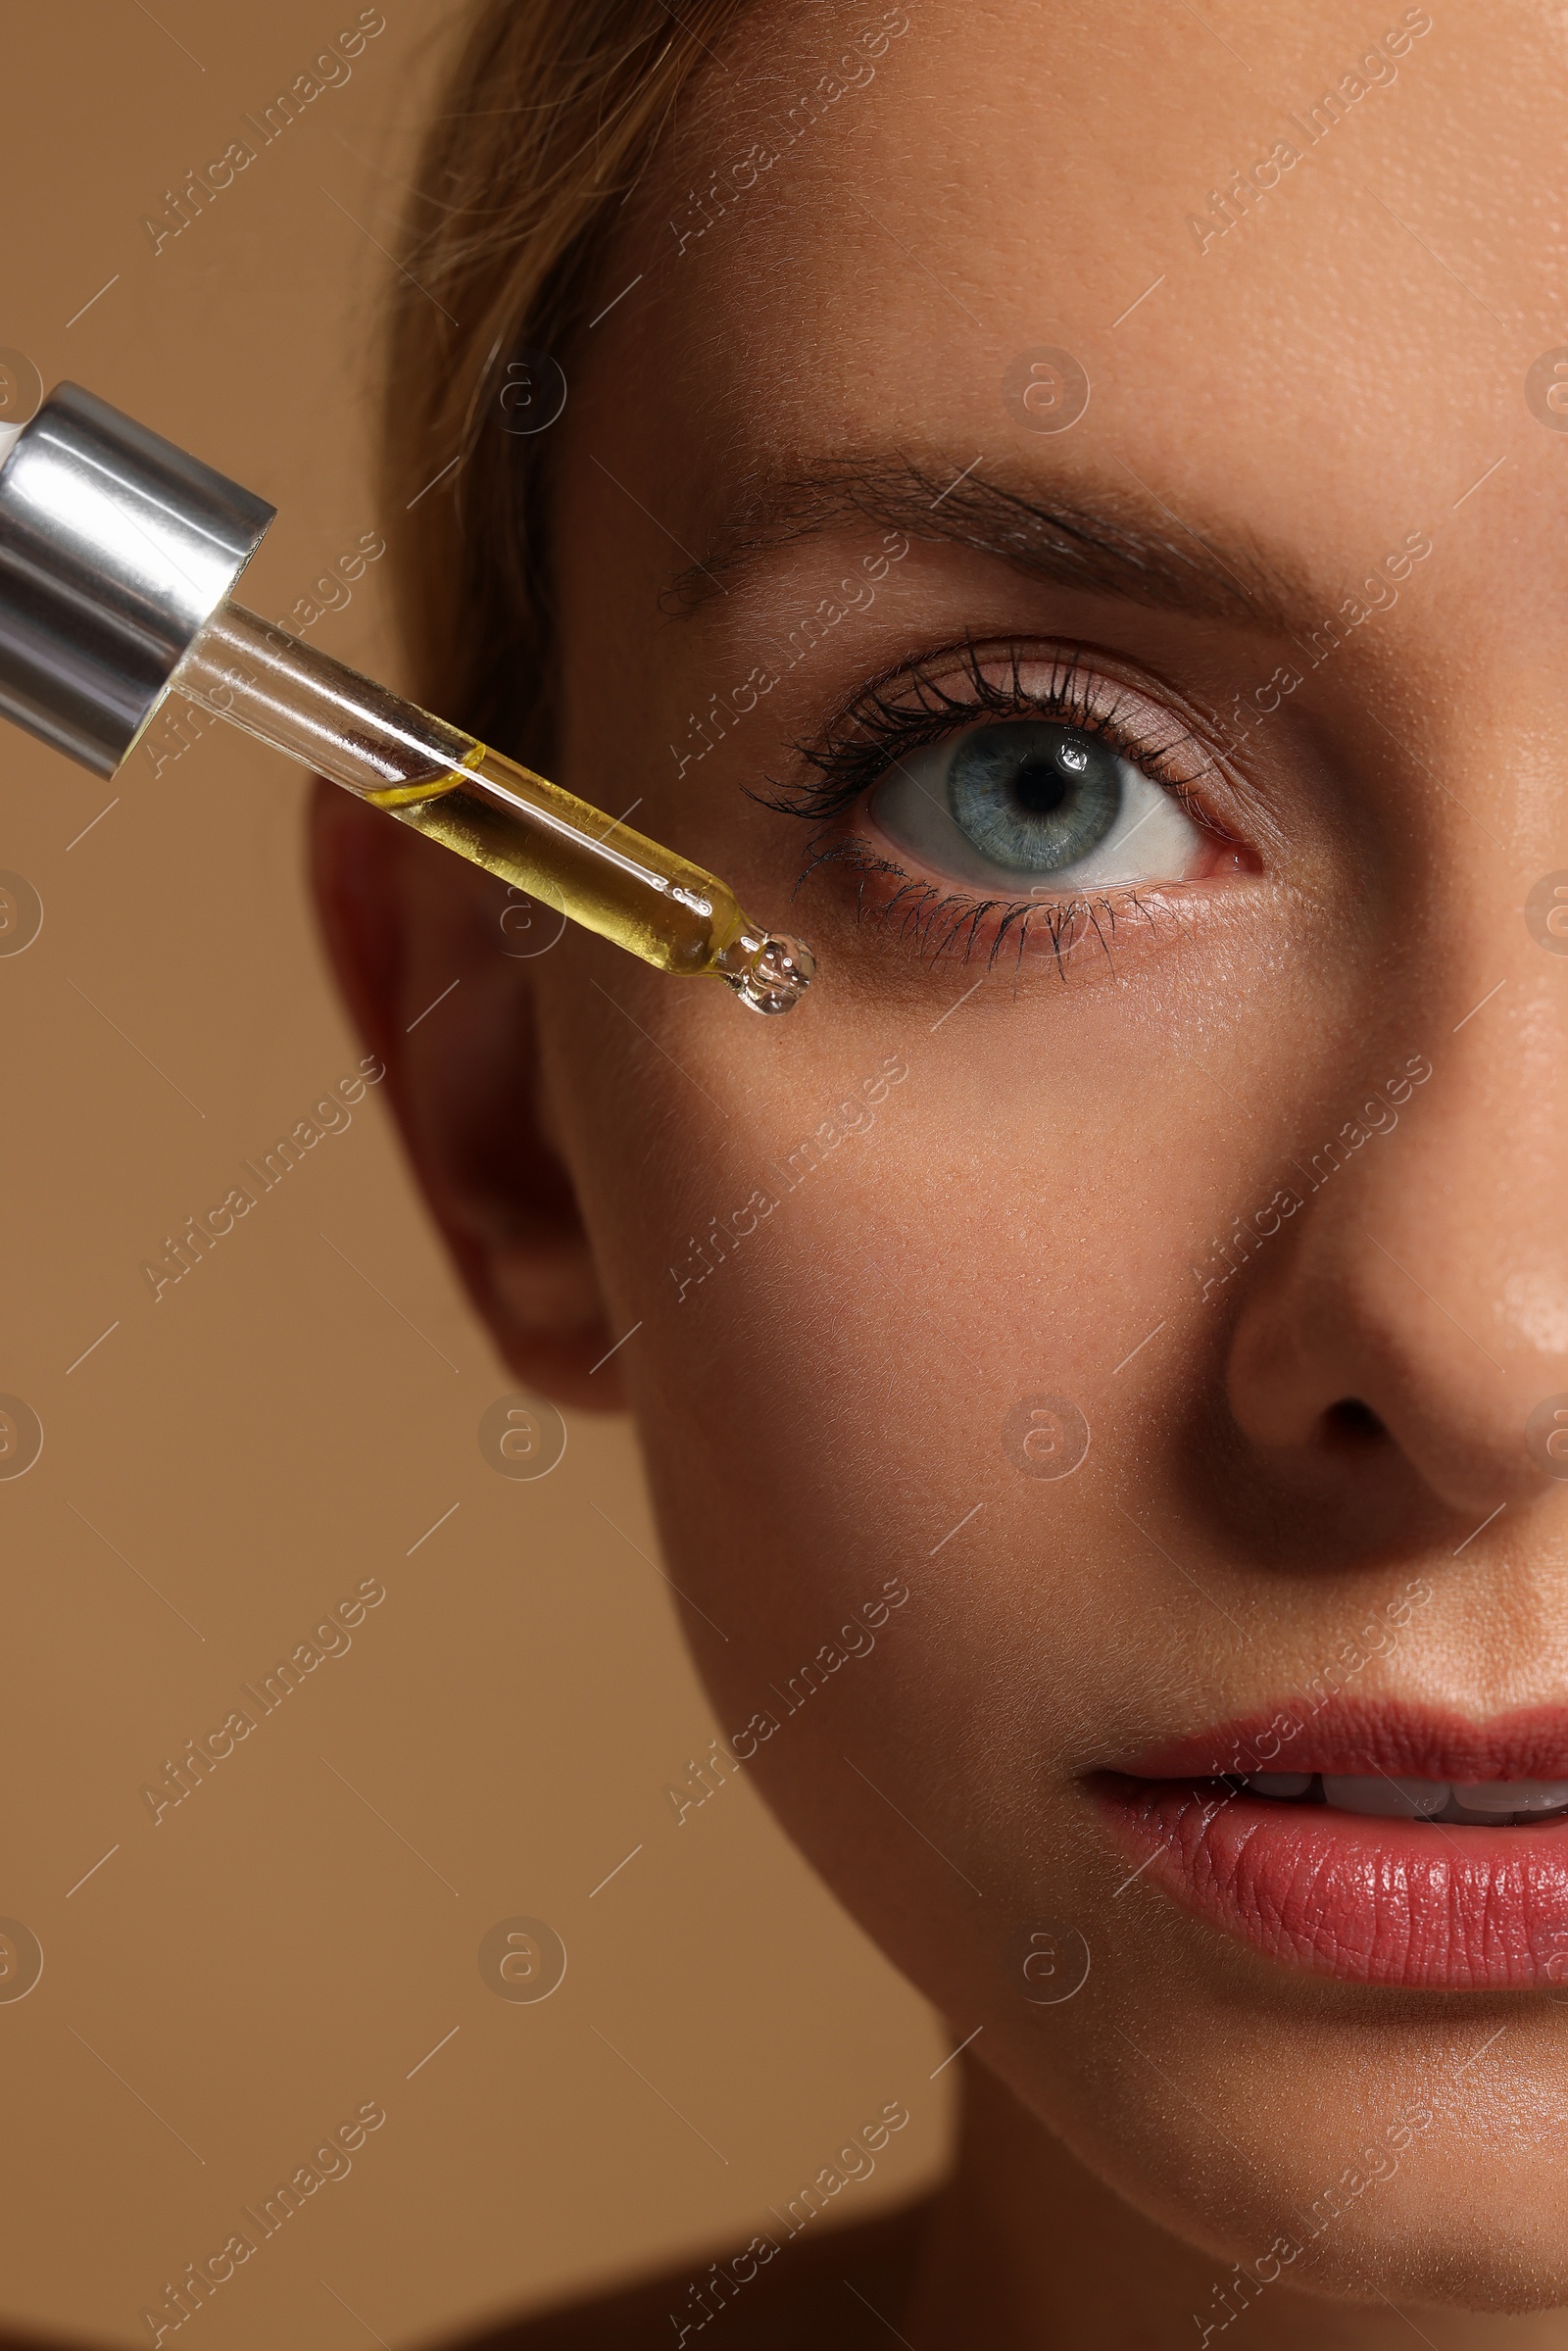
1304,257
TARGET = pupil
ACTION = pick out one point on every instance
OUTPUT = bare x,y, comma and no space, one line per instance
1042,787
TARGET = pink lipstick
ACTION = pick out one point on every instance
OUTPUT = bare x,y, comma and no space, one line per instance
1377,1842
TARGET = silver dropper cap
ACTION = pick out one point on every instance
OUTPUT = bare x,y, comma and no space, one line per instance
116,547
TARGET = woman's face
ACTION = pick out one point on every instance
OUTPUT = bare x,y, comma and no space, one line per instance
1066,516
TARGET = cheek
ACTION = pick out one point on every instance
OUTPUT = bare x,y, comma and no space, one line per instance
825,1399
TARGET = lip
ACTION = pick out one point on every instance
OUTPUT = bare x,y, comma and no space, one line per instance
1362,1735
1431,1905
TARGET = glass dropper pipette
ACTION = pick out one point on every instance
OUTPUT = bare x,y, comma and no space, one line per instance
116,555
455,790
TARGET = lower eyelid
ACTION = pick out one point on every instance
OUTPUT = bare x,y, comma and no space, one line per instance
922,918
929,922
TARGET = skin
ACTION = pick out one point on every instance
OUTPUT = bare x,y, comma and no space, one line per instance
826,1410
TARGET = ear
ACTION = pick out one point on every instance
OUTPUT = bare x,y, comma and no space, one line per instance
416,940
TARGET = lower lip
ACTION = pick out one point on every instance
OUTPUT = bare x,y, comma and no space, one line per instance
1451,1908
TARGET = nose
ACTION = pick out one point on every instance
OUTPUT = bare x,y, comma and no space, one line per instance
1415,1333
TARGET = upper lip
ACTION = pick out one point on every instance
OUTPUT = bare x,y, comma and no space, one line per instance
1353,1737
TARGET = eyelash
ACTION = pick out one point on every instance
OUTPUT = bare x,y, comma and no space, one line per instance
882,725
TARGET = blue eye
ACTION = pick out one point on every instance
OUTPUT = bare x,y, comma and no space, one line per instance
1029,806
1034,798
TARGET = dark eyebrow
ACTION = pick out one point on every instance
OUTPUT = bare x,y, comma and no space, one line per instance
1115,541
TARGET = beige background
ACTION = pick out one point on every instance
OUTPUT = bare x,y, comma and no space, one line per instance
231,1984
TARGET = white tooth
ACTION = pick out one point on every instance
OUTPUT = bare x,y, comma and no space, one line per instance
1400,1799
1279,1784
1490,1798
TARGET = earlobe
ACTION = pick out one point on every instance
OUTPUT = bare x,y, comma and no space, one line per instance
415,942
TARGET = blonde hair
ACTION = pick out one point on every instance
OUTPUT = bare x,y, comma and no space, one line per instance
543,128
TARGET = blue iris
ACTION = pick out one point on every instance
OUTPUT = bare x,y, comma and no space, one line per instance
1033,797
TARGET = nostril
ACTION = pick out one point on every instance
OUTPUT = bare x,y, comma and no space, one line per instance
1352,1425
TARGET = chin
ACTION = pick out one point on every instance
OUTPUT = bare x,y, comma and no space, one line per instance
1466,2256
1472,2235
1402,2152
